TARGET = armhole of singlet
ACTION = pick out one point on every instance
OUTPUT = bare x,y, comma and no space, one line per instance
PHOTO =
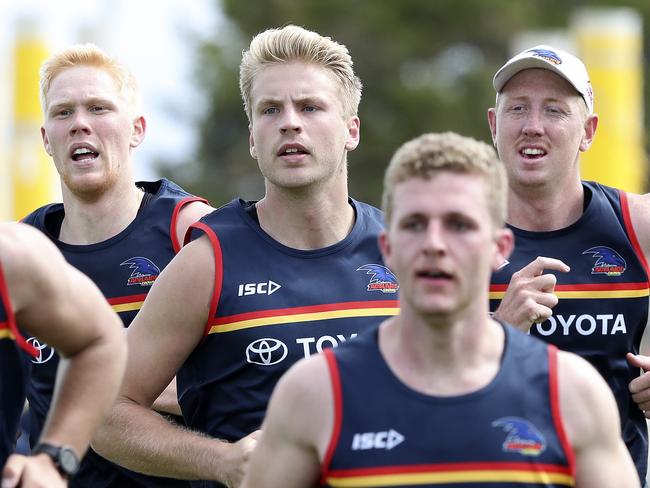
172,226
629,228
555,409
335,379
218,271
11,319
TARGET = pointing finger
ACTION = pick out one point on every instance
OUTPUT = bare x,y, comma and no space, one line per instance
542,263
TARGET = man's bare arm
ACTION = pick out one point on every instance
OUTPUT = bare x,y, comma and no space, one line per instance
61,306
166,330
167,402
189,214
292,443
591,421
639,206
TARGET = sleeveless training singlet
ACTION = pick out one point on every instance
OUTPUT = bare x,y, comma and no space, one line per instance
273,305
603,301
506,434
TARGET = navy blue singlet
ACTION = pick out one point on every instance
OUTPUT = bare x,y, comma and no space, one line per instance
273,305
13,373
603,301
507,434
123,267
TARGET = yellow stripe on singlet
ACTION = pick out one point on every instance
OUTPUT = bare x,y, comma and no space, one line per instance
478,476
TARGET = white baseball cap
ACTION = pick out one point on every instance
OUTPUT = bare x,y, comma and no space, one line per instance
560,62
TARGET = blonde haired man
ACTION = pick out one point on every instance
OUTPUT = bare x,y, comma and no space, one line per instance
118,232
264,283
442,393
42,294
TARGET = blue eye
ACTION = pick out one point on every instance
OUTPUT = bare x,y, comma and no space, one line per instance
270,110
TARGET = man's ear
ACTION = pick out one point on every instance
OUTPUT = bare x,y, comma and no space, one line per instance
354,133
591,124
505,244
46,141
385,247
492,122
139,130
251,143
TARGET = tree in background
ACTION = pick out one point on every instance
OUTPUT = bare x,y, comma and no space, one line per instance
426,65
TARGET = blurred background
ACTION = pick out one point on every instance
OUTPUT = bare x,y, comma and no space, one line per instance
426,65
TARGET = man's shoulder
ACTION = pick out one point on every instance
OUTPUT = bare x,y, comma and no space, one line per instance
22,234
582,389
524,341
369,219
38,216
24,245
234,209
368,209
356,350
162,187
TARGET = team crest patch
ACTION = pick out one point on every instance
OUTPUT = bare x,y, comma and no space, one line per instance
547,55
144,271
381,278
608,261
523,437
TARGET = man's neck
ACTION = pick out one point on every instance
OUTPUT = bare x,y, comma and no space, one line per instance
546,208
445,356
306,220
91,221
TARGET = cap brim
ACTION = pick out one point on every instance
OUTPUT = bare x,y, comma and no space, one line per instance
508,71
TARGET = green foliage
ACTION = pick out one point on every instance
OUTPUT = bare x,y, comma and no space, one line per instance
426,66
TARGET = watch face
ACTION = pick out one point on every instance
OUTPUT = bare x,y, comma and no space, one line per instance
68,460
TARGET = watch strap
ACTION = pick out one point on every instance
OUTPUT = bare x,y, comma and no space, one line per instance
67,467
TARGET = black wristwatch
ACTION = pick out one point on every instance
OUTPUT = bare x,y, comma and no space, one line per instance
64,457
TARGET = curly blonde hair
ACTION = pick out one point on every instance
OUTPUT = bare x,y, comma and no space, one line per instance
429,153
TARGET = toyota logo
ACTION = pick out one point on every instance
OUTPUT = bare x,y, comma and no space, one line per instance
44,352
266,352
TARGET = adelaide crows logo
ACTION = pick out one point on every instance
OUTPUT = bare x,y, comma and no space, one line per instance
381,278
144,271
608,261
523,437
547,55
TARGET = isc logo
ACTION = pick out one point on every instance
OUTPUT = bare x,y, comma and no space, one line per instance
258,288
376,440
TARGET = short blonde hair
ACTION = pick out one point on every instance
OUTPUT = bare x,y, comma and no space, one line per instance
429,154
293,43
89,55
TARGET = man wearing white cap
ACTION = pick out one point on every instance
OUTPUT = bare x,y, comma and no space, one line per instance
578,277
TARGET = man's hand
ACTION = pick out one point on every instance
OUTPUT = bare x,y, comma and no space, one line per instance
31,472
240,459
530,296
640,387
